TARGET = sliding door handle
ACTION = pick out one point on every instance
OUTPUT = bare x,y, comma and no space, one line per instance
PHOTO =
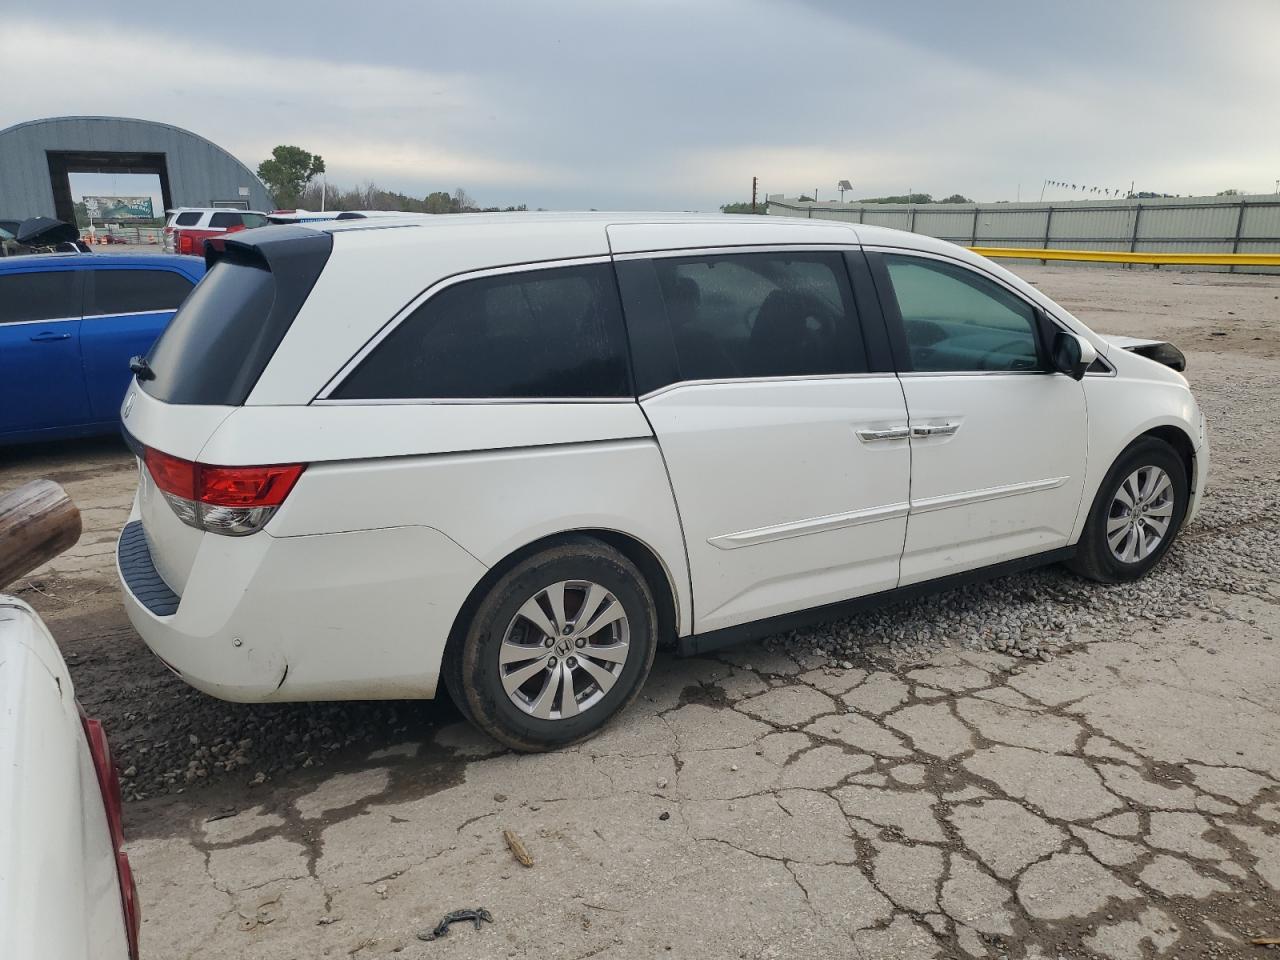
889,433
935,430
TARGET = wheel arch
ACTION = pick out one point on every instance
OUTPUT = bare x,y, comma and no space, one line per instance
656,573
1171,431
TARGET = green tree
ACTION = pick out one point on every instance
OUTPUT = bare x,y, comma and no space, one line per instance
287,173
741,208
1229,193
438,202
956,198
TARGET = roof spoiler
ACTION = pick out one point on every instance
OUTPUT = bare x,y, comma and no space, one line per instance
271,247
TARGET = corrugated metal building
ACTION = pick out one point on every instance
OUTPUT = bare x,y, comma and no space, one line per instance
37,156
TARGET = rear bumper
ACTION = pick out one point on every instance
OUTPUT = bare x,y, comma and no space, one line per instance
339,616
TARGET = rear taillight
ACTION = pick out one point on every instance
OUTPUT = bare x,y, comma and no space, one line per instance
233,501
109,787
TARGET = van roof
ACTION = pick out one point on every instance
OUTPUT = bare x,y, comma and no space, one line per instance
822,229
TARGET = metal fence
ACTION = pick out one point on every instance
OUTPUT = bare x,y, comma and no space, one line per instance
1167,225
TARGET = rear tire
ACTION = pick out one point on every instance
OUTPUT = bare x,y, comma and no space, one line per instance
532,669
1136,515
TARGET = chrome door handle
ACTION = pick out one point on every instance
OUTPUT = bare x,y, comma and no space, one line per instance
935,430
890,433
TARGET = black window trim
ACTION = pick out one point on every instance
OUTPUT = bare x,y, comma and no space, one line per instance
77,296
867,312
1044,321
324,397
89,290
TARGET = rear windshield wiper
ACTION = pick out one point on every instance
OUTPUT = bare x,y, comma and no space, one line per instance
141,369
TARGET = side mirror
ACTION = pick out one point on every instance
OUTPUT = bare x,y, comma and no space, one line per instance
1072,355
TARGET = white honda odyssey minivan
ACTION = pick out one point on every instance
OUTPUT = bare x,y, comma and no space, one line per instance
517,453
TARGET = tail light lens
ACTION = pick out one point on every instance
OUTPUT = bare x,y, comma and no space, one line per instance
109,787
233,501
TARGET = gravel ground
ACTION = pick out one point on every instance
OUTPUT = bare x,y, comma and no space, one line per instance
169,739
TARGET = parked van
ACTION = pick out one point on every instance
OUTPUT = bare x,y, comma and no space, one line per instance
516,453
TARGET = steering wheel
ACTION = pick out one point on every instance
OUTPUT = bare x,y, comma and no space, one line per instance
1014,350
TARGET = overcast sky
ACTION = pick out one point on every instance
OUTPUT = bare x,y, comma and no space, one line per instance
675,104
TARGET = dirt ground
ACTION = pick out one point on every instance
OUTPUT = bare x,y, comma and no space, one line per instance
1120,800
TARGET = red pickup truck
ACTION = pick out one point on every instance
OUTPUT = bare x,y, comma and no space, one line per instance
189,227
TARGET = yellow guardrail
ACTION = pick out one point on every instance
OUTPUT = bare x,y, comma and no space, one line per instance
1124,256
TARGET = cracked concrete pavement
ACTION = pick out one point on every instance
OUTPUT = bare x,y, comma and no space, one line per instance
1095,804
1120,800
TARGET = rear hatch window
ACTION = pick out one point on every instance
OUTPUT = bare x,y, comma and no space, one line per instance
225,333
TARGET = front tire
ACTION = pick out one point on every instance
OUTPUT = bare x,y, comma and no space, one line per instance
1136,515
560,644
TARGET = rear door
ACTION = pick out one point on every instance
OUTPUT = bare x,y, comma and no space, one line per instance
785,437
126,309
998,440
41,381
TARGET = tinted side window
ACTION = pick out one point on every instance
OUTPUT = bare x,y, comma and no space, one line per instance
761,315
956,320
137,291
188,219
253,220
225,220
47,295
541,333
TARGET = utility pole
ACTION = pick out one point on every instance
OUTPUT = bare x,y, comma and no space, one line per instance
754,182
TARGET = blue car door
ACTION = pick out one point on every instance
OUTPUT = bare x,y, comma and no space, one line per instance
126,309
41,381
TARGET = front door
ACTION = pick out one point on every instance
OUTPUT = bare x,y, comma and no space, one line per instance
998,443
787,453
41,380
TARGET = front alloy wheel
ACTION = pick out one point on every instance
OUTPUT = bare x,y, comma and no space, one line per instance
1140,513
1136,514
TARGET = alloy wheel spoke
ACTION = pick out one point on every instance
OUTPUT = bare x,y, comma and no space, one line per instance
533,612
1130,551
1157,524
610,653
1124,496
1116,523
1118,537
512,652
1162,484
514,680
1148,477
603,678
610,614
596,595
568,701
542,704
555,596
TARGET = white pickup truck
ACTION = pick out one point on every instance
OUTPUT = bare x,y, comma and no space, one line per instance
66,889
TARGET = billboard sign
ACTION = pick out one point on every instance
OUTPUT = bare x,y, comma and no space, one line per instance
118,208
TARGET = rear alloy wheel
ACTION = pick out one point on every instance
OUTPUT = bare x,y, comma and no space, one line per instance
561,643
1136,514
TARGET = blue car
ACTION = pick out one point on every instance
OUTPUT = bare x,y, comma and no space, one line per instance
69,323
